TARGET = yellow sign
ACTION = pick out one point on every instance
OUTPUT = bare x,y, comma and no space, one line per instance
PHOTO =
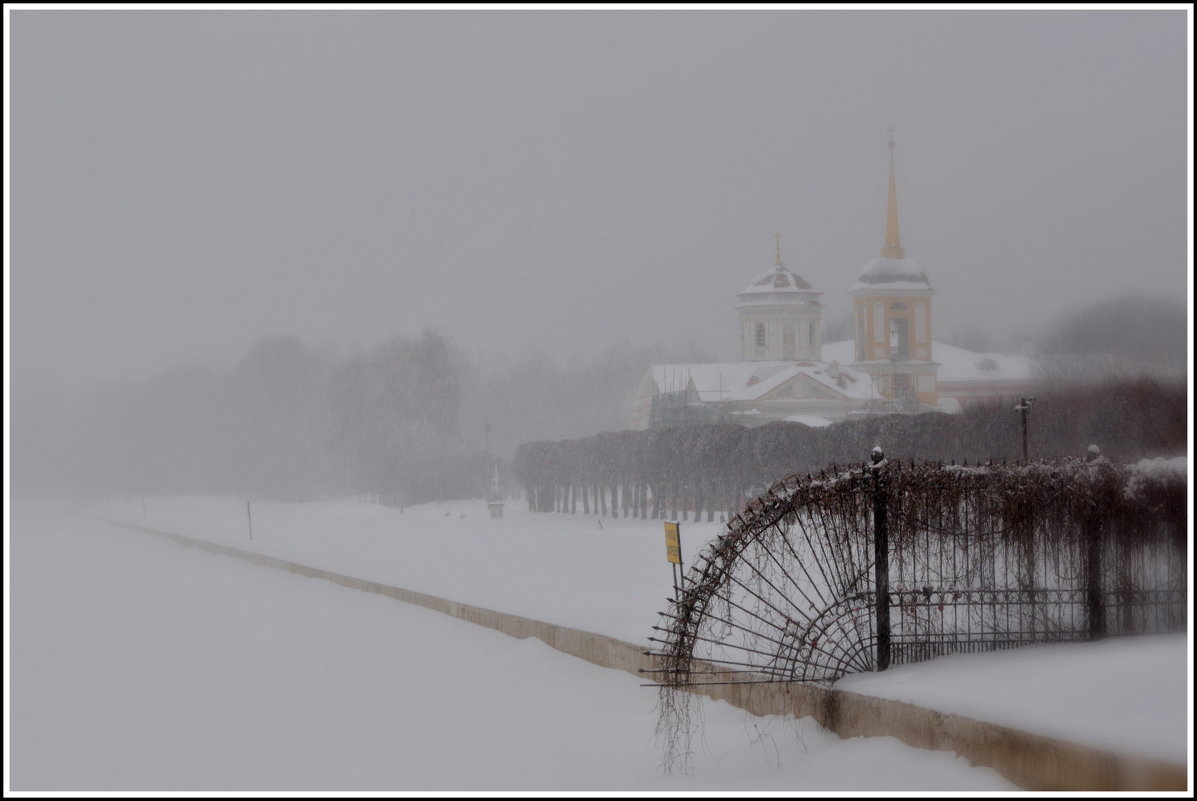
673,543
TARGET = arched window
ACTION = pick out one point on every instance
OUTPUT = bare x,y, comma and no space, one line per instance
811,340
760,335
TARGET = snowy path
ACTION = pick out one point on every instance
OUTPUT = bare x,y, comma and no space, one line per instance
1128,695
138,665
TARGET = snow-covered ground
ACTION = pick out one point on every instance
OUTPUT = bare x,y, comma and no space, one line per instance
611,577
1128,694
607,576
140,665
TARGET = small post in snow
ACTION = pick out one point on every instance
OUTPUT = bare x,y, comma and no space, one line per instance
250,518
673,551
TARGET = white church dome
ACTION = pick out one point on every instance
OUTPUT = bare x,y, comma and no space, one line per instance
777,280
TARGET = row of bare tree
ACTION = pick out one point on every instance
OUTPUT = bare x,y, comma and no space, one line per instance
713,469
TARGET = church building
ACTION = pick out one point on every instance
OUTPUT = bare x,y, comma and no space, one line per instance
786,373
781,374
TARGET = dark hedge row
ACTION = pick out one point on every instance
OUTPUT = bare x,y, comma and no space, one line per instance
713,469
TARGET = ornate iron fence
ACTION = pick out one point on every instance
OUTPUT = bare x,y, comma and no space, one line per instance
864,567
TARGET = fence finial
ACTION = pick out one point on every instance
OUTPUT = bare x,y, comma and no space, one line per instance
877,458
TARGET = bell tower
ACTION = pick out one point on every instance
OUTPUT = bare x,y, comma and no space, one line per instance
892,301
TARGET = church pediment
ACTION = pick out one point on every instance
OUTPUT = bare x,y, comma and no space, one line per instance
802,387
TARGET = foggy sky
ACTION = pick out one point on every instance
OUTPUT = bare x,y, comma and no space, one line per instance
184,182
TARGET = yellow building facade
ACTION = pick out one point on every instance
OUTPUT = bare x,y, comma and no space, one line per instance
892,304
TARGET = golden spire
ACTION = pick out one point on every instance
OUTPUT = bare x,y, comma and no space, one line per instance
893,243
777,236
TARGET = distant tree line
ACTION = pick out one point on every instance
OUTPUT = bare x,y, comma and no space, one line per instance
401,422
712,469
289,423
1147,330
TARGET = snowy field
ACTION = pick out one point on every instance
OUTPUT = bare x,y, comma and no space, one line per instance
140,665
607,576
1130,694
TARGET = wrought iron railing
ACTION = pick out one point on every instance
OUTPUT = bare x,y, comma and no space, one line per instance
864,567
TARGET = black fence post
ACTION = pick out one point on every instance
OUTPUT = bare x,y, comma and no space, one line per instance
1093,596
881,555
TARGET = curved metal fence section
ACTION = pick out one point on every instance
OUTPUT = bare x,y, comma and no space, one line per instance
861,567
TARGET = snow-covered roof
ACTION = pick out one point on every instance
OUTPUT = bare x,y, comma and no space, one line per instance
747,381
713,381
757,389
902,272
958,364
955,364
779,280
839,378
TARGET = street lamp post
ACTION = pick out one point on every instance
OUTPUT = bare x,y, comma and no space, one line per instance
1024,407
